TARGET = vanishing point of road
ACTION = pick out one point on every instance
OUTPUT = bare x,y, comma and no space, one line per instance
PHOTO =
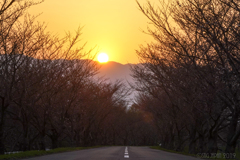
116,153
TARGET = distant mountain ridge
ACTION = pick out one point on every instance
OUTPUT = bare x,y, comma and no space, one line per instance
116,71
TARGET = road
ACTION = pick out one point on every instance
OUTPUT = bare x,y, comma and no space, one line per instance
115,153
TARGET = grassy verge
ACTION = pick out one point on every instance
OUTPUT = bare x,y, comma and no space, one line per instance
172,151
34,153
237,153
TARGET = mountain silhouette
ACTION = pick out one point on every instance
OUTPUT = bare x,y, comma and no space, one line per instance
113,71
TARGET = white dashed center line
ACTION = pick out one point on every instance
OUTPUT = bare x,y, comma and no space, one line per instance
126,153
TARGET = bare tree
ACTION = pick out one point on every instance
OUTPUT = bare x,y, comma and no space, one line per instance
198,39
27,65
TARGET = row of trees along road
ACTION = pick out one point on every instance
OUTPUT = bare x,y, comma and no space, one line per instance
189,78
188,83
48,94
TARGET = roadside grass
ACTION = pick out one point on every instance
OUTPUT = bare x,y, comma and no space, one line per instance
35,153
237,154
185,152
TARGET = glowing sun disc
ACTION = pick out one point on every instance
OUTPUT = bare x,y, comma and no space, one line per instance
103,58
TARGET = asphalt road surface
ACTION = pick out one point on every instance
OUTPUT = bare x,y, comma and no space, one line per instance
116,153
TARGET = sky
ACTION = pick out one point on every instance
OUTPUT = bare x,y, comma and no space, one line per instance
113,26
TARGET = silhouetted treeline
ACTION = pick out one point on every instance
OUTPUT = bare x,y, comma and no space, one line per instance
189,80
49,97
57,103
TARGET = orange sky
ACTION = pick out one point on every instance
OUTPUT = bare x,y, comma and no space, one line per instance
114,26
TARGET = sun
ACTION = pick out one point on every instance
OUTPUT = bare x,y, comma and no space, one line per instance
102,58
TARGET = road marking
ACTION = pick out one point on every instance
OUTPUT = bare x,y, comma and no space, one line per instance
126,156
126,153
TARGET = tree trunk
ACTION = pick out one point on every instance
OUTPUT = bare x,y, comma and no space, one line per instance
201,143
54,142
2,147
25,144
212,143
231,143
230,148
86,138
42,142
192,143
2,121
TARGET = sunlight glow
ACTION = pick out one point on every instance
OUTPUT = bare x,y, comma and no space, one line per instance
116,27
103,58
